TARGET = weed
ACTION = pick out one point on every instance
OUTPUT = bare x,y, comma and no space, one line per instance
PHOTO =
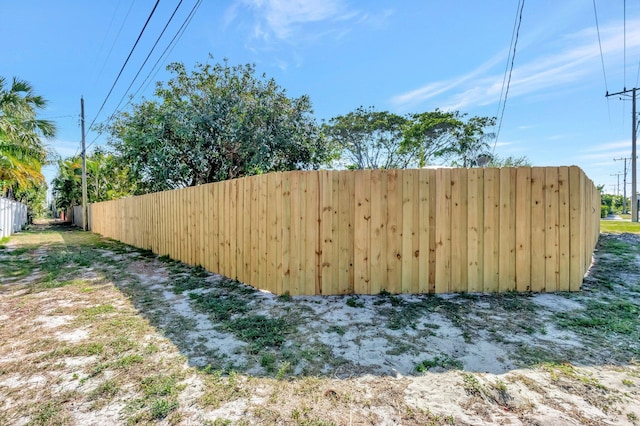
220,308
444,362
160,408
128,361
285,297
260,331
632,416
107,389
48,413
340,330
627,382
354,303
267,361
282,370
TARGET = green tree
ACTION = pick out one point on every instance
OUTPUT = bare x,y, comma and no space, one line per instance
369,139
22,151
107,179
509,161
431,135
217,122
470,140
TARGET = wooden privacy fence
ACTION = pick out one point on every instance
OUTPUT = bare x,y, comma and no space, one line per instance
340,232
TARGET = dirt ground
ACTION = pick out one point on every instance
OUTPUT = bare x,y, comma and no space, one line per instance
95,332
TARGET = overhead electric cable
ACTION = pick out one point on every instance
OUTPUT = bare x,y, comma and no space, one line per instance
116,39
150,52
624,50
125,63
604,73
513,57
168,48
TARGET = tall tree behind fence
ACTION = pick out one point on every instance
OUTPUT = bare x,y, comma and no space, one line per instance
339,232
13,216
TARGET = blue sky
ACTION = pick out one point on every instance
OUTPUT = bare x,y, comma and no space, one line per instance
401,56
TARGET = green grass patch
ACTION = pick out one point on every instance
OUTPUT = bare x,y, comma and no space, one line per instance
603,318
220,308
619,226
260,332
445,362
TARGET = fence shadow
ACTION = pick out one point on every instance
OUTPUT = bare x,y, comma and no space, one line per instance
222,324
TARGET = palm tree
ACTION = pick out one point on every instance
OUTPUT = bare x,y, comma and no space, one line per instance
22,151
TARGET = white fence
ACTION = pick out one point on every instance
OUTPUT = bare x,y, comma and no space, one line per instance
13,216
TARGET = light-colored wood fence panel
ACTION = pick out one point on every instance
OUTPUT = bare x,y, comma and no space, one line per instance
339,232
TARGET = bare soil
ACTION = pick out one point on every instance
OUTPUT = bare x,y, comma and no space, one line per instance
95,332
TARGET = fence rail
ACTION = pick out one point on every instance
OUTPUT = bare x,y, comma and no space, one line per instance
13,216
340,232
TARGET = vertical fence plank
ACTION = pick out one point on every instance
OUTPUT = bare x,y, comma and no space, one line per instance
394,231
272,225
563,230
239,237
507,256
475,229
491,229
443,230
246,229
312,222
344,234
327,242
523,229
551,249
278,237
410,231
459,238
378,230
423,273
263,232
295,235
287,223
362,231
538,263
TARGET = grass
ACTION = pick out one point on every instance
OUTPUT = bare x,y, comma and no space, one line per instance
619,226
443,362
137,352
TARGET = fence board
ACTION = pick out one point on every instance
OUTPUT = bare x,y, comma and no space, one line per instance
507,261
491,250
378,230
459,214
523,230
538,264
475,213
423,226
362,232
443,230
394,232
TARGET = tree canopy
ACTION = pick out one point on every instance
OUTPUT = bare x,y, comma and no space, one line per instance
214,123
369,139
22,150
107,179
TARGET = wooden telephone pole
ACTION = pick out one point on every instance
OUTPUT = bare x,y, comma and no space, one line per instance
85,217
634,192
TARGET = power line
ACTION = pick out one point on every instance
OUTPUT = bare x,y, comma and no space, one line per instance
604,73
125,63
150,52
513,57
169,49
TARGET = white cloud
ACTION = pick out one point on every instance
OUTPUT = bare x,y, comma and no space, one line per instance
280,19
478,87
609,146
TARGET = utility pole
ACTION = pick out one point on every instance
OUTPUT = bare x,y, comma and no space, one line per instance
85,217
618,184
634,193
624,183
